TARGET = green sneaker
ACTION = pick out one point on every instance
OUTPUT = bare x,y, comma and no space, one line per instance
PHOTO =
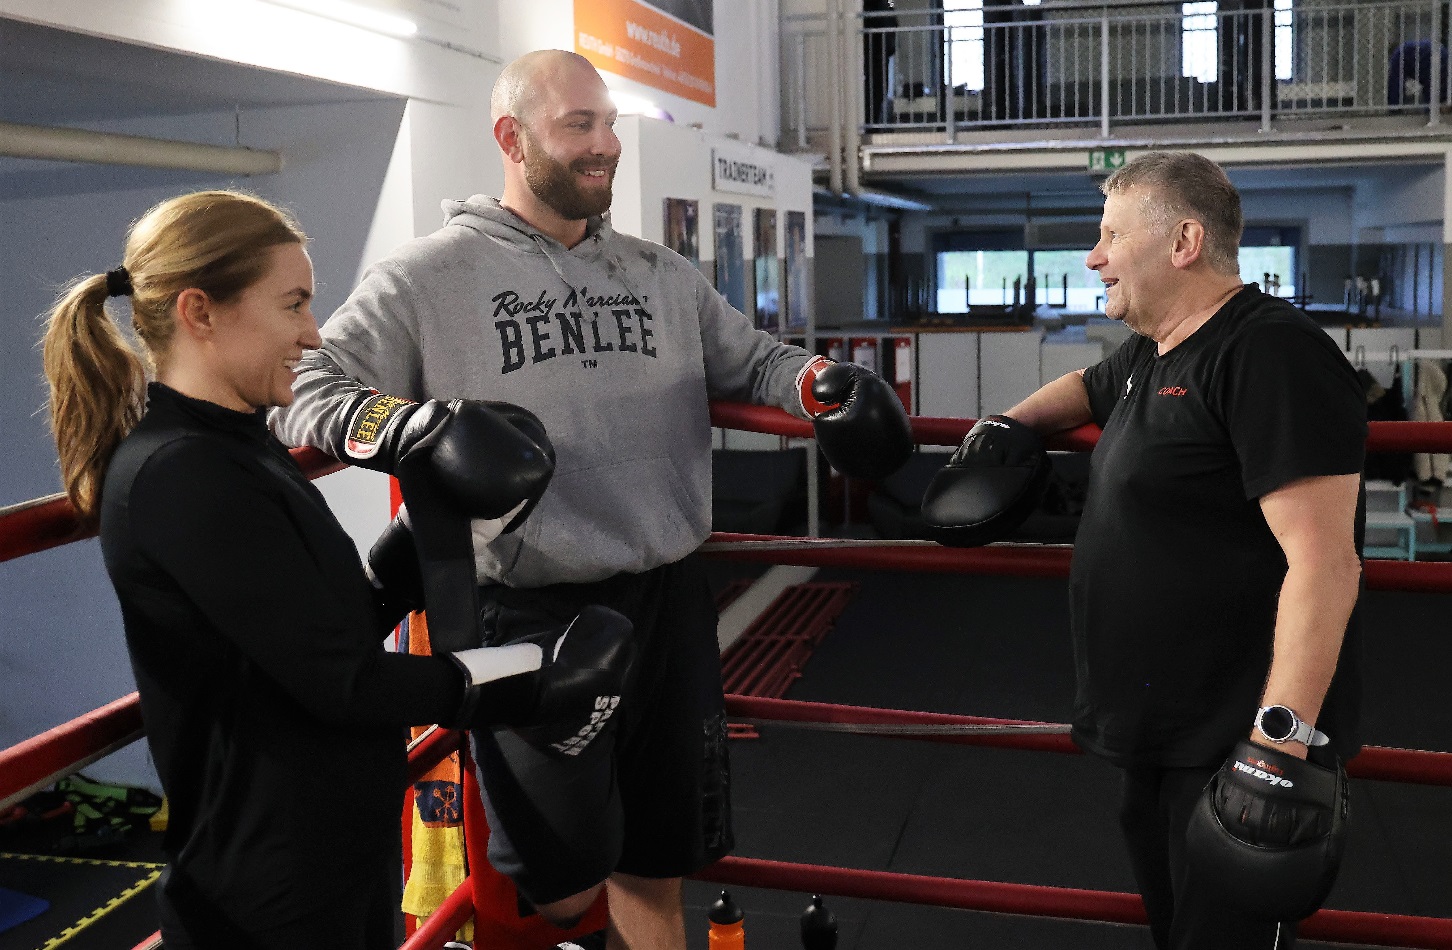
134,801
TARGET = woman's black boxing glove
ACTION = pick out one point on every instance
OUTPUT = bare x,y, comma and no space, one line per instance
559,688
393,571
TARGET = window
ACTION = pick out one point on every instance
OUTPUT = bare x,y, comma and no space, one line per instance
978,268
963,40
1065,281
1199,32
1268,257
1199,40
966,278
963,30
1285,41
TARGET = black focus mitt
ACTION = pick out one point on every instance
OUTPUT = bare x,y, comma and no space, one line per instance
1268,832
990,485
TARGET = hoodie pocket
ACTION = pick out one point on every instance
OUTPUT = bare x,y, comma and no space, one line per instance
624,517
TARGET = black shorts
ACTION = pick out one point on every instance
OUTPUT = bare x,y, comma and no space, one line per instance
655,803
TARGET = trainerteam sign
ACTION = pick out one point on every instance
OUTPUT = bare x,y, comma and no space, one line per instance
741,172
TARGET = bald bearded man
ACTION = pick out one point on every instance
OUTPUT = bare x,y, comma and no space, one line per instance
616,345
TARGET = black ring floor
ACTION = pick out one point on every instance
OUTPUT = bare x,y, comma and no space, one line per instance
999,647
970,645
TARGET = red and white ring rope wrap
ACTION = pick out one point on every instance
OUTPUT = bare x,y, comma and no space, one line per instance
49,522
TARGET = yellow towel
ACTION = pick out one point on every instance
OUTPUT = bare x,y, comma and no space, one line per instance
437,829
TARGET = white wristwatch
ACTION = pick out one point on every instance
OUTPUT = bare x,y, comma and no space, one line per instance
1281,724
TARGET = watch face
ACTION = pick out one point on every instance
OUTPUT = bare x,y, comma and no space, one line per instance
1277,723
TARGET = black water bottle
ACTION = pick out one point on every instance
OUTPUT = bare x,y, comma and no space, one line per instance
819,926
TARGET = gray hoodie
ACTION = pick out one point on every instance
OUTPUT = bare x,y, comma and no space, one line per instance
617,344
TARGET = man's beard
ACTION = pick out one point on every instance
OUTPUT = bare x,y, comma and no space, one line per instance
554,183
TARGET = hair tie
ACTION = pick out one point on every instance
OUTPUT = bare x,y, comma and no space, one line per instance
118,282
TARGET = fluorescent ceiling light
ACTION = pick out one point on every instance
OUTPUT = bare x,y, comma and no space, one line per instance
628,103
355,15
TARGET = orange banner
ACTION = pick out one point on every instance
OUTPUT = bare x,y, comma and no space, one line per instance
633,40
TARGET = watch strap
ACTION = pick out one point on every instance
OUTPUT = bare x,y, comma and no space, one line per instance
1308,734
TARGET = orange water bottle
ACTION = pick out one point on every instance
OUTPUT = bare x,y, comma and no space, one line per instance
727,933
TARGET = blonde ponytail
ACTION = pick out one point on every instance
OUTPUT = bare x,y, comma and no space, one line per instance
215,241
97,389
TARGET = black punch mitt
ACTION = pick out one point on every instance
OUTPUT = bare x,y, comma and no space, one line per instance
990,485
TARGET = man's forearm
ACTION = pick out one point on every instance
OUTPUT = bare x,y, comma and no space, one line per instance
1315,604
1314,521
323,396
1057,406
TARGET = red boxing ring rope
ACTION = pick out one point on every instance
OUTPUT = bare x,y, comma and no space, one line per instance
933,430
50,522
1015,560
29,766
1377,763
439,927
1381,930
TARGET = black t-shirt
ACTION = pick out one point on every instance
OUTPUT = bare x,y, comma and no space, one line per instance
1176,575
273,713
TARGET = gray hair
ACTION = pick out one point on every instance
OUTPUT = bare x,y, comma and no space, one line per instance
1182,185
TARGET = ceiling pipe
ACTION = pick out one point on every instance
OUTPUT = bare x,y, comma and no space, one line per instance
853,66
834,69
107,148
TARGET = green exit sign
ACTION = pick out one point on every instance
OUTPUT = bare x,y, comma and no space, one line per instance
1106,159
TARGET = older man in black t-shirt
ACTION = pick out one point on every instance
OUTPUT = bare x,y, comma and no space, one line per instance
1216,568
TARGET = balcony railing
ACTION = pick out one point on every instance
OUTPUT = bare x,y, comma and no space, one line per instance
1098,65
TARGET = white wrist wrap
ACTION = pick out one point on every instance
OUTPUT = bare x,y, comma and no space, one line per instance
487,664
485,530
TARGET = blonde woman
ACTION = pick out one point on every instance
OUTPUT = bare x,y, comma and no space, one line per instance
272,710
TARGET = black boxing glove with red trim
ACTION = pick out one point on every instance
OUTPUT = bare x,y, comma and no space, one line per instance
859,422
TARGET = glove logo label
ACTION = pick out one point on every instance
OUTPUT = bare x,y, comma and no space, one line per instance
1274,780
604,709
369,422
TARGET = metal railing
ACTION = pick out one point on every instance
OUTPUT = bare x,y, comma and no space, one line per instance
1097,64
